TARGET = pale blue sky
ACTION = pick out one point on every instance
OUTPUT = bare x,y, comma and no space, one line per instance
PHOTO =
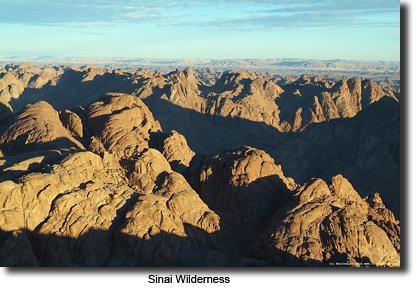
205,29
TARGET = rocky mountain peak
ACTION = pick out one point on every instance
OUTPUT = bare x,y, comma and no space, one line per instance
188,72
37,127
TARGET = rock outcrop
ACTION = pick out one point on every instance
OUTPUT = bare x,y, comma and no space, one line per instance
122,123
38,127
330,224
168,225
245,185
177,152
73,123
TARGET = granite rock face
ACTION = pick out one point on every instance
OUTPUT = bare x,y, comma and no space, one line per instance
330,224
122,123
72,122
37,128
244,184
177,152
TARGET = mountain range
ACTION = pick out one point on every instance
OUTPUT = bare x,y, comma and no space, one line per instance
387,72
198,167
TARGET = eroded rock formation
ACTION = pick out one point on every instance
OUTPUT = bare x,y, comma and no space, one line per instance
38,127
330,224
87,209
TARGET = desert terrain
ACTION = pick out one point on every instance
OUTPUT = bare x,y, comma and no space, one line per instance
200,165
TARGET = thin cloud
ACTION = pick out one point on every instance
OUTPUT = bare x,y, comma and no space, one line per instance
305,20
97,33
44,12
232,14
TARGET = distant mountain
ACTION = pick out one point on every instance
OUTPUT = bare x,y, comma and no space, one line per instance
388,71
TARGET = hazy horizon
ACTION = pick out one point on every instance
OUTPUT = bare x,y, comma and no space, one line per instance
203,29
187,58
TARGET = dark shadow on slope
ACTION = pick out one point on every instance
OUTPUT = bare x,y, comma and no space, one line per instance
12,167
245,211
249,206
321,151
288,102
365,149
301,95
6,117
228,83
206,133
21,249
22,252
71,90
18,145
